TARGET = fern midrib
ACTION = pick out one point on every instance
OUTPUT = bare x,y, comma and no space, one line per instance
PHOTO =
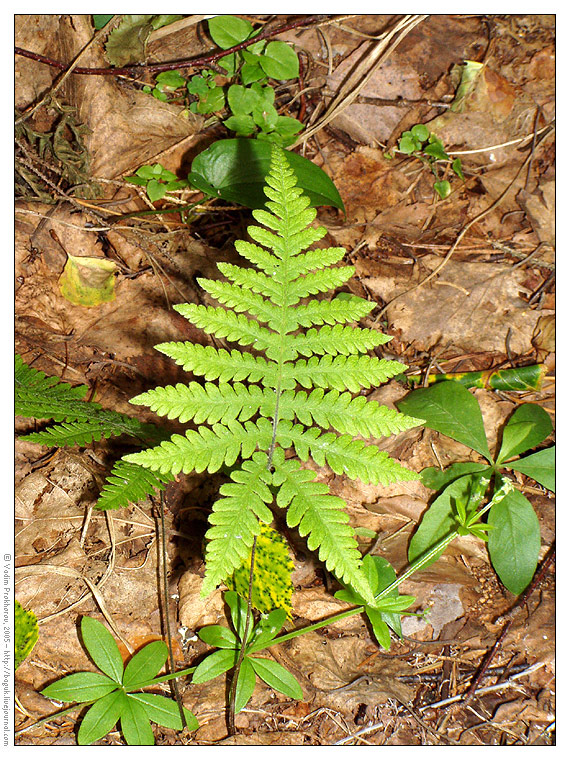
282,330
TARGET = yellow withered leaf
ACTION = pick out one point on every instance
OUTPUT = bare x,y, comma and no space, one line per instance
88,281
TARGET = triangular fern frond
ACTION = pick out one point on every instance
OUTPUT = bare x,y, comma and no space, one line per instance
256,422
127,484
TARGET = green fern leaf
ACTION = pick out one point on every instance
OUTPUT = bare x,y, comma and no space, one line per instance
205,449
37,395
254,423
343,454
101,423
321,517
235,520
128,484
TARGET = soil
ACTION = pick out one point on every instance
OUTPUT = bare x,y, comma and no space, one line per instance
489,303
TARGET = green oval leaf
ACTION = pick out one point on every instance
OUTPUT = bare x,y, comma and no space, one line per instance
165,711
443,188
280,61
227,31
436,479
514,542
135,724
420,131
80,687
450,409
101,717
528,426
379,627
214,665
218,636
540,466
102,648
245,684
278,677
144,665
235,170
438,520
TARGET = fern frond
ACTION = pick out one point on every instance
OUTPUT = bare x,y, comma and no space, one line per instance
355,416
205,449
256,422
341,372
321,517
343,454
236,520
206,403
98,423
128,484
42,397
219,364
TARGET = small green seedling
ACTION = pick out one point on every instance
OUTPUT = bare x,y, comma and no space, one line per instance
421,143
386,613
156,180
514,530
115,694
257,637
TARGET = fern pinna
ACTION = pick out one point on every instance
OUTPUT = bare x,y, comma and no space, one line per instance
259,422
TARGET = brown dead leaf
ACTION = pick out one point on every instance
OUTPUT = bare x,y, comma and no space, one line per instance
539,208
470,306
127,128
194,611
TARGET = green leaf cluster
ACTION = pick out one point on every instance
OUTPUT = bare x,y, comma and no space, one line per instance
420,142
83,422
385,614
116,692
156,180
257,637
270,309
514,530
253,108
259,60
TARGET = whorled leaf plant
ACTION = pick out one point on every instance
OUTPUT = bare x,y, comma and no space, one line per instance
304,361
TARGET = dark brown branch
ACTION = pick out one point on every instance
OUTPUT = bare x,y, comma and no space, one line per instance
137,69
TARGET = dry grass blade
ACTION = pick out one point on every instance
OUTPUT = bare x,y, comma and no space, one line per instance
363,72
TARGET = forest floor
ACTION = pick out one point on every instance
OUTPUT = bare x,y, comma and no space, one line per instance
489,305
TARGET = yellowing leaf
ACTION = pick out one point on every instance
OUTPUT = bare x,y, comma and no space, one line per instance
88,281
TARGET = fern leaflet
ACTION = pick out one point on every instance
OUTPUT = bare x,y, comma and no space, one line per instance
256,410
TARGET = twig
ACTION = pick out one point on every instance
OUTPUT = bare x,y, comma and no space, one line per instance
523,599
174,683
140,68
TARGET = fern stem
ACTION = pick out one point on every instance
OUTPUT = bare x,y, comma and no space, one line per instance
233,687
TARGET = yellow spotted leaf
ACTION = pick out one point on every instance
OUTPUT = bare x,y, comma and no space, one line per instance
272,586
88,281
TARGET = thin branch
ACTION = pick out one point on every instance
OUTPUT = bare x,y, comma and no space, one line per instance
139,68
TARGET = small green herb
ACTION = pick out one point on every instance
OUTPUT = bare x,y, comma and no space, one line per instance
514,537
115,693
419,142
